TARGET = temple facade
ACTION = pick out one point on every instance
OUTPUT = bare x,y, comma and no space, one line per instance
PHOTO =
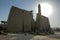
20,20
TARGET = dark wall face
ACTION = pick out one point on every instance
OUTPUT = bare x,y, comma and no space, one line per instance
19,20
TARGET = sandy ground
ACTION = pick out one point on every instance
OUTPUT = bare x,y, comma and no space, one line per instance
30,37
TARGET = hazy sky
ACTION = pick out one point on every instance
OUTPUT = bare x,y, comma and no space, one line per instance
54,18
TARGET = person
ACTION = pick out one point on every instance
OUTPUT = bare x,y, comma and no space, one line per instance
1,28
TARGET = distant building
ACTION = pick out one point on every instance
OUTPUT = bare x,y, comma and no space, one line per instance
20,20
3,27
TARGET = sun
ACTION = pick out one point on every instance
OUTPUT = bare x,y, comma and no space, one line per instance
46,9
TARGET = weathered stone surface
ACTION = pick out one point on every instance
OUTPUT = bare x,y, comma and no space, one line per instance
42,23
19,20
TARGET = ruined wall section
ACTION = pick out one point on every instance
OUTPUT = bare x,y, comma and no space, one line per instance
42,24
45,24
19,20
14,23
28,20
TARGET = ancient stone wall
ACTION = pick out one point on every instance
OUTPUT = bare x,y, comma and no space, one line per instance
42,24
19,20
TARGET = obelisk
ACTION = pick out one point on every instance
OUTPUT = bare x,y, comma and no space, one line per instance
39,9
38,19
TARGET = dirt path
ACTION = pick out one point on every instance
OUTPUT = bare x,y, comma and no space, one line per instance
29,37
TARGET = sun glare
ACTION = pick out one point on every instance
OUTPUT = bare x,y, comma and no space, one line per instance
46,9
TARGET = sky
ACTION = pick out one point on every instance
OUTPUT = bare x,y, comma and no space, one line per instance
54,18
